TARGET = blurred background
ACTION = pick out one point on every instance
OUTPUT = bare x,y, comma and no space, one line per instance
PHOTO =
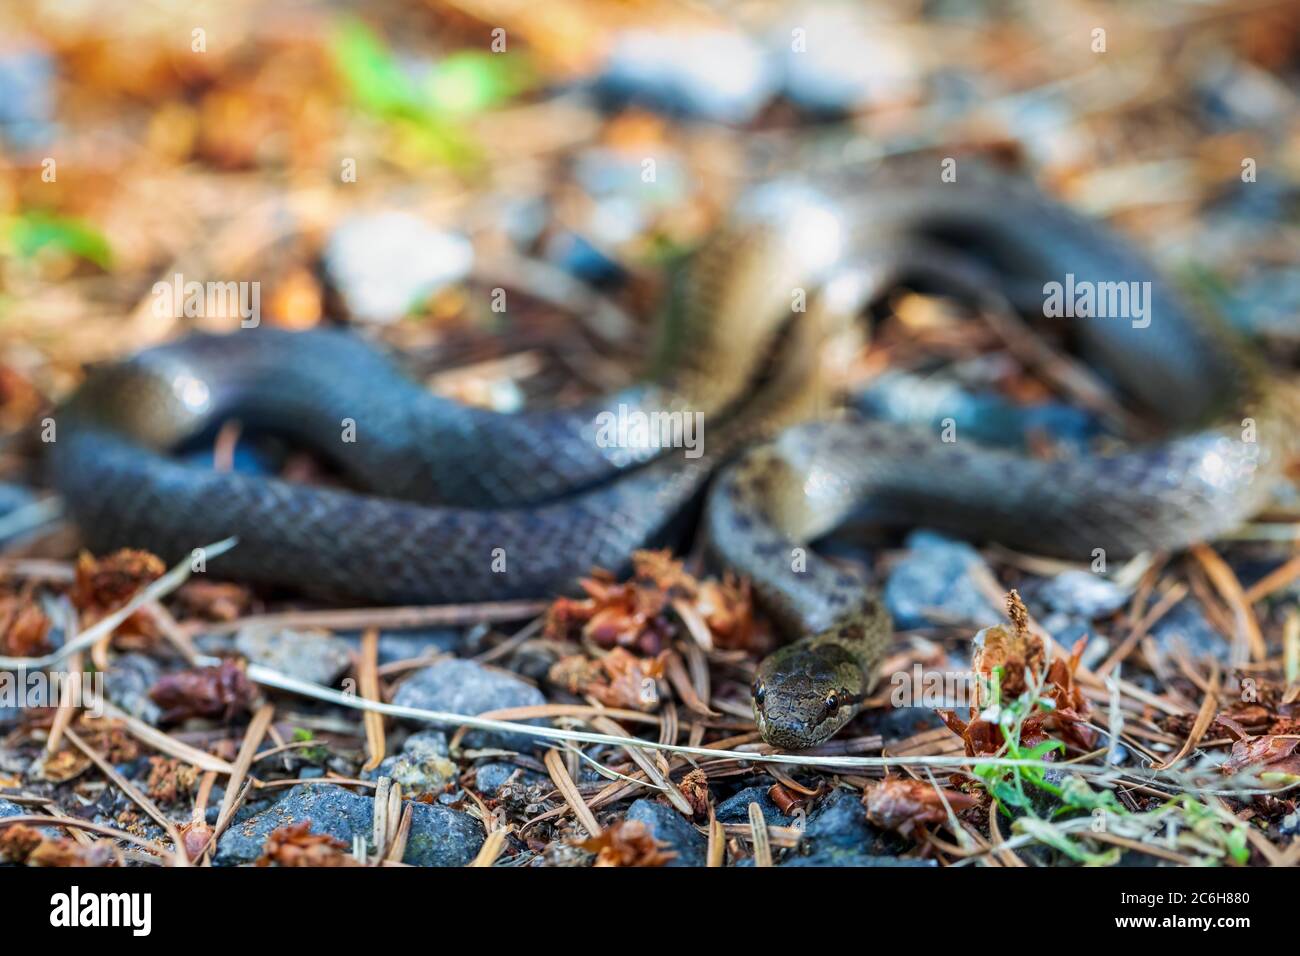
386,164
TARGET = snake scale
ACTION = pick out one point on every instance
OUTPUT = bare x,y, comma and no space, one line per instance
462,504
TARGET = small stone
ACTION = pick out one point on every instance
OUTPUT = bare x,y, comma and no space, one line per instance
407,645
384,264
838,834
127,684
439,835
716,75
975,411
10,809
1186,624
1082,594
839,61
933,584
421,767
840,820
735,809
315,656
27,90
465,687
668,826
491,777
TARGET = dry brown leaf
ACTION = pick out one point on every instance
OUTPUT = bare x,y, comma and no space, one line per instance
296,845
695,788
627,843
218,693
619,679
170,779
103,585
900,804
215,600
24,628
25,845
637,613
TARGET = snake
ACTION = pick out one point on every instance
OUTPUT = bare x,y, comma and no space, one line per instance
448,503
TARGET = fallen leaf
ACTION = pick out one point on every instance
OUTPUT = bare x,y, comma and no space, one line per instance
26,845
24,628
900,804
627,843
218,693
103,585
296,845
638,613
619,679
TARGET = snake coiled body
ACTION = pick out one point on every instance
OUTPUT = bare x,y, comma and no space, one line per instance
465,505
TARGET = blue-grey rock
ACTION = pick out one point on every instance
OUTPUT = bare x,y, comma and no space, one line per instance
837,833
932,584
406,645
14,496
311,655
127,684
717,75
491,776
422,766
735,809
575,255
1266,304
834,59
439,835
840,821
1187,623
384,264
981,416
27,75
668,826
1082,594
466,687
10,809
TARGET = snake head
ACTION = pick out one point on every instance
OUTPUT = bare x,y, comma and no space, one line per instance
805,692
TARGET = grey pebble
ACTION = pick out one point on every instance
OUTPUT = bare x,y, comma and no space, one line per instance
932,584
439,836
668,826
128,682
316,656
735,809
384,264
466,687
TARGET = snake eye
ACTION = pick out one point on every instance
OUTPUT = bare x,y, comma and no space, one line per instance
832,702
760,691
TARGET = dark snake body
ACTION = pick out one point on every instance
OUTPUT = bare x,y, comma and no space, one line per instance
526,503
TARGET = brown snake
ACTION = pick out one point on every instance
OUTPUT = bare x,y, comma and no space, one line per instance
526,503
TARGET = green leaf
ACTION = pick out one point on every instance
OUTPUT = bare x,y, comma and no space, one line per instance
29,233
373,75
1046,833
382,87
471,81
